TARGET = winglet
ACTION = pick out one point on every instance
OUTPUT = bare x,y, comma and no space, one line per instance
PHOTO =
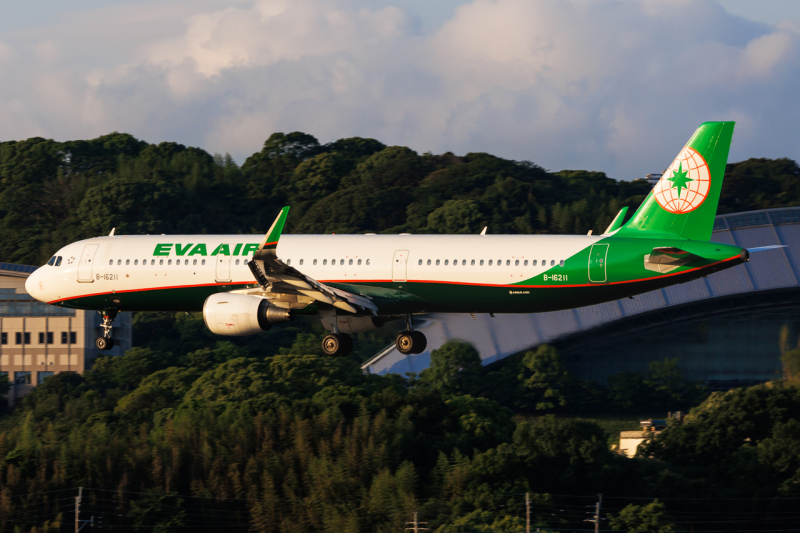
484,230
270,242
112,231
617,222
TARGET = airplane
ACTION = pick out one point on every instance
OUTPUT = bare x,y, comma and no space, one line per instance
353,283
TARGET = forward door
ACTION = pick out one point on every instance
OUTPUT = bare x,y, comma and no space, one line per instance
598,256
86,263
399,265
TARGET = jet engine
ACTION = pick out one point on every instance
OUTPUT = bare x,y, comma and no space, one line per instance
355,324
237,315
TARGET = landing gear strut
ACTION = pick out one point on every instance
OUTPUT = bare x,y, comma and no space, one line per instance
106,342
410,341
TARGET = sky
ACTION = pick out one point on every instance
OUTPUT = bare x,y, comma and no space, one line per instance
610,85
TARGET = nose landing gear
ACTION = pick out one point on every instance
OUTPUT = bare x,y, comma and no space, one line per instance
106,342
410,341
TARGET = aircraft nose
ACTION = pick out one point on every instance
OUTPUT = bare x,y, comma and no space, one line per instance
32,283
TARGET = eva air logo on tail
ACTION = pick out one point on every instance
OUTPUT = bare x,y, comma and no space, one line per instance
685,184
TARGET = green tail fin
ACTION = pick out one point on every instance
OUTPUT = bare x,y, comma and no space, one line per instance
684,202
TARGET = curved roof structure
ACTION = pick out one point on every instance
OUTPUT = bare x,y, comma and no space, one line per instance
770,278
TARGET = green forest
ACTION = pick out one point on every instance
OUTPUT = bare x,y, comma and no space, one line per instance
190,432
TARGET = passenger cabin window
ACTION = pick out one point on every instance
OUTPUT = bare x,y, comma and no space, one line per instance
127,262
526,262
301,262
324,261
367,261
341,261
359,261
160,261
350,262
490,262
552,262
437,262
135,262
194,262
288,261
110,262
153,261
203,262
429,262
445,262
315,261
169,261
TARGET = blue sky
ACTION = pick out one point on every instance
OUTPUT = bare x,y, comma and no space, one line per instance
611,85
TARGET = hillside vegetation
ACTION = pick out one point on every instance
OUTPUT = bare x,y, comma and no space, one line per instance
53,193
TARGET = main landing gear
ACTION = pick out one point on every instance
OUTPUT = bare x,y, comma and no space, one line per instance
106,342
410,341
337,344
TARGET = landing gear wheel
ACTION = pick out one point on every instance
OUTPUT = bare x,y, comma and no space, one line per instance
337,345
420,342
411,342
104,343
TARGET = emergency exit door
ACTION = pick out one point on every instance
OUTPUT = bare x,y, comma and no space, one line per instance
223,268
399,265
598,256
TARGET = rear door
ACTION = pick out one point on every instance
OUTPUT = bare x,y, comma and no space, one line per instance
399,265
598,256
86,263
223,268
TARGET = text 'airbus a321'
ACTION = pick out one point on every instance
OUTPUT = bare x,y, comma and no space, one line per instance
353,283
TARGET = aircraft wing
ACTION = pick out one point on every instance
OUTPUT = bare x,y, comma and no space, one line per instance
289,287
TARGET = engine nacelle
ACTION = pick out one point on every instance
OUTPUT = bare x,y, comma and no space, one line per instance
237,315
355,324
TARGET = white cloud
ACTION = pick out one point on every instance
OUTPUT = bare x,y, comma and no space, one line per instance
614,85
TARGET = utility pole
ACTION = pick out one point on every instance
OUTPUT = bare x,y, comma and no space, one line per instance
416,524
596,517
78,509
527,512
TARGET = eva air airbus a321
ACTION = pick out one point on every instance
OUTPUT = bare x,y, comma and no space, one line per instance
352,283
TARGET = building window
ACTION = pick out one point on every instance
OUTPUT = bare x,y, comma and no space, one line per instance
49,337
22,378
3,338
73,337
63,337
22,338
41,337
41,375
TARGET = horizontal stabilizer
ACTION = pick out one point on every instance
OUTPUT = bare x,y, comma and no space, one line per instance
617,222
668,259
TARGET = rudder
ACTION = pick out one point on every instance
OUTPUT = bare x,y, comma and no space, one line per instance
684,202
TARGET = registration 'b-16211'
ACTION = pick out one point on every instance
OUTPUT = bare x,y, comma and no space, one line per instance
353,283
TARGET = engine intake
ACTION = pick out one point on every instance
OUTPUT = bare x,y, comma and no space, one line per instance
237,315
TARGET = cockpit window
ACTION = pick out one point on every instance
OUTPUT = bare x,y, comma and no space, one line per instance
58,261
52,261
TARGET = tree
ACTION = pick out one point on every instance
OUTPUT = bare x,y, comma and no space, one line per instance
650,518
545,379
455,368
158,512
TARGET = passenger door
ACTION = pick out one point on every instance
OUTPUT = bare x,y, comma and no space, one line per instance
399,265
85,265
598,256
